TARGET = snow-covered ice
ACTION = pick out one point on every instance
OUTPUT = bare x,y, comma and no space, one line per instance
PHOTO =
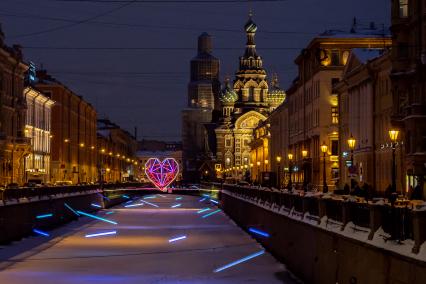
140,251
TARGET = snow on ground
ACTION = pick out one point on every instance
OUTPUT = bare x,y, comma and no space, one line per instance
350,230
140,252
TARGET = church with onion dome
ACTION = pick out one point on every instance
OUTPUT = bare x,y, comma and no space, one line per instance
249,101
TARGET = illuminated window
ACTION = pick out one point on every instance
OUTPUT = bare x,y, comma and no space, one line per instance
334,115
403,8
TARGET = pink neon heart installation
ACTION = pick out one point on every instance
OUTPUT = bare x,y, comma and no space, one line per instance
161,174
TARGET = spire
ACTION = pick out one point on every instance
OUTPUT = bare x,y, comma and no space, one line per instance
250,28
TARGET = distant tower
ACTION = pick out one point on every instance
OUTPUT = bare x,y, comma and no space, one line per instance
203,107
204,87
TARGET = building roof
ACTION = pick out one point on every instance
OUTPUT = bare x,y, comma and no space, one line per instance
364,54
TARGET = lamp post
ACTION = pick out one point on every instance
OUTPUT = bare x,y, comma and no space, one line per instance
305,172
258,171
351,145
279,172
324,149
393,135
266,165
290,158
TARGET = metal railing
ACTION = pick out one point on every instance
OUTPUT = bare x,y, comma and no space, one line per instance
10,195
399,222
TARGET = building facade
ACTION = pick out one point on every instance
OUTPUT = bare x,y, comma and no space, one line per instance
365,108
311,108
409,85
38,130
202,109
73,142
244,104
14,146
116,153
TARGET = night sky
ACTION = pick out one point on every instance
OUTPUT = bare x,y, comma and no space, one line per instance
147,87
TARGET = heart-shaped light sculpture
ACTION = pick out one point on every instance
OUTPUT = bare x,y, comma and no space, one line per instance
161,174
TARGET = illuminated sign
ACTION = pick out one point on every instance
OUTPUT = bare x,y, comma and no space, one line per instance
161,174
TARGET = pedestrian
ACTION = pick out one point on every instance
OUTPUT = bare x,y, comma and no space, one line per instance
417,193
346,189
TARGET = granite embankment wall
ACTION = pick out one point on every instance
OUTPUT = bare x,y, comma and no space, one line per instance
18,220
317,255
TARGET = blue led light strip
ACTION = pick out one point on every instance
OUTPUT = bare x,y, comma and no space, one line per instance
126,196
101,234
41,233
176,205
109,212
259,232
72,210
211,213
96,217
239,261
203,210
177,239
149,203
202,199
96,205
134,205
178,198
44,216
214,201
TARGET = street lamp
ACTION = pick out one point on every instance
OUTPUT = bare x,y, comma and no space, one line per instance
351,145
279,171
305,172
393,135
258,171
290,158
266,165
324,149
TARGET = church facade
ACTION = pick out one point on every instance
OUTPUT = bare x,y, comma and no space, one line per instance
245,103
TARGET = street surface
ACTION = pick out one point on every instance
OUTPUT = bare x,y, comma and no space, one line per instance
140,251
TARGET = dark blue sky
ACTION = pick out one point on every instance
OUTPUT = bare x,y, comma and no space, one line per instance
147,88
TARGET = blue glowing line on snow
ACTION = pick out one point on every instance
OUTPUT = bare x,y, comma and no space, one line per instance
134,205
41,233
96,205
130,201
178,198
239,261
176,205
44,216
96,217
211,213
104,197
149,197
214,201
101,234
202,199
149,203
177,239
203,210
206,195
259,232
109,213
125,196
73,211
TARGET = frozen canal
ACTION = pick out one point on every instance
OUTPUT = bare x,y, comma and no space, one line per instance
140,251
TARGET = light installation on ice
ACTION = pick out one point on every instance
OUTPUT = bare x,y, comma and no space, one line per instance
161,174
